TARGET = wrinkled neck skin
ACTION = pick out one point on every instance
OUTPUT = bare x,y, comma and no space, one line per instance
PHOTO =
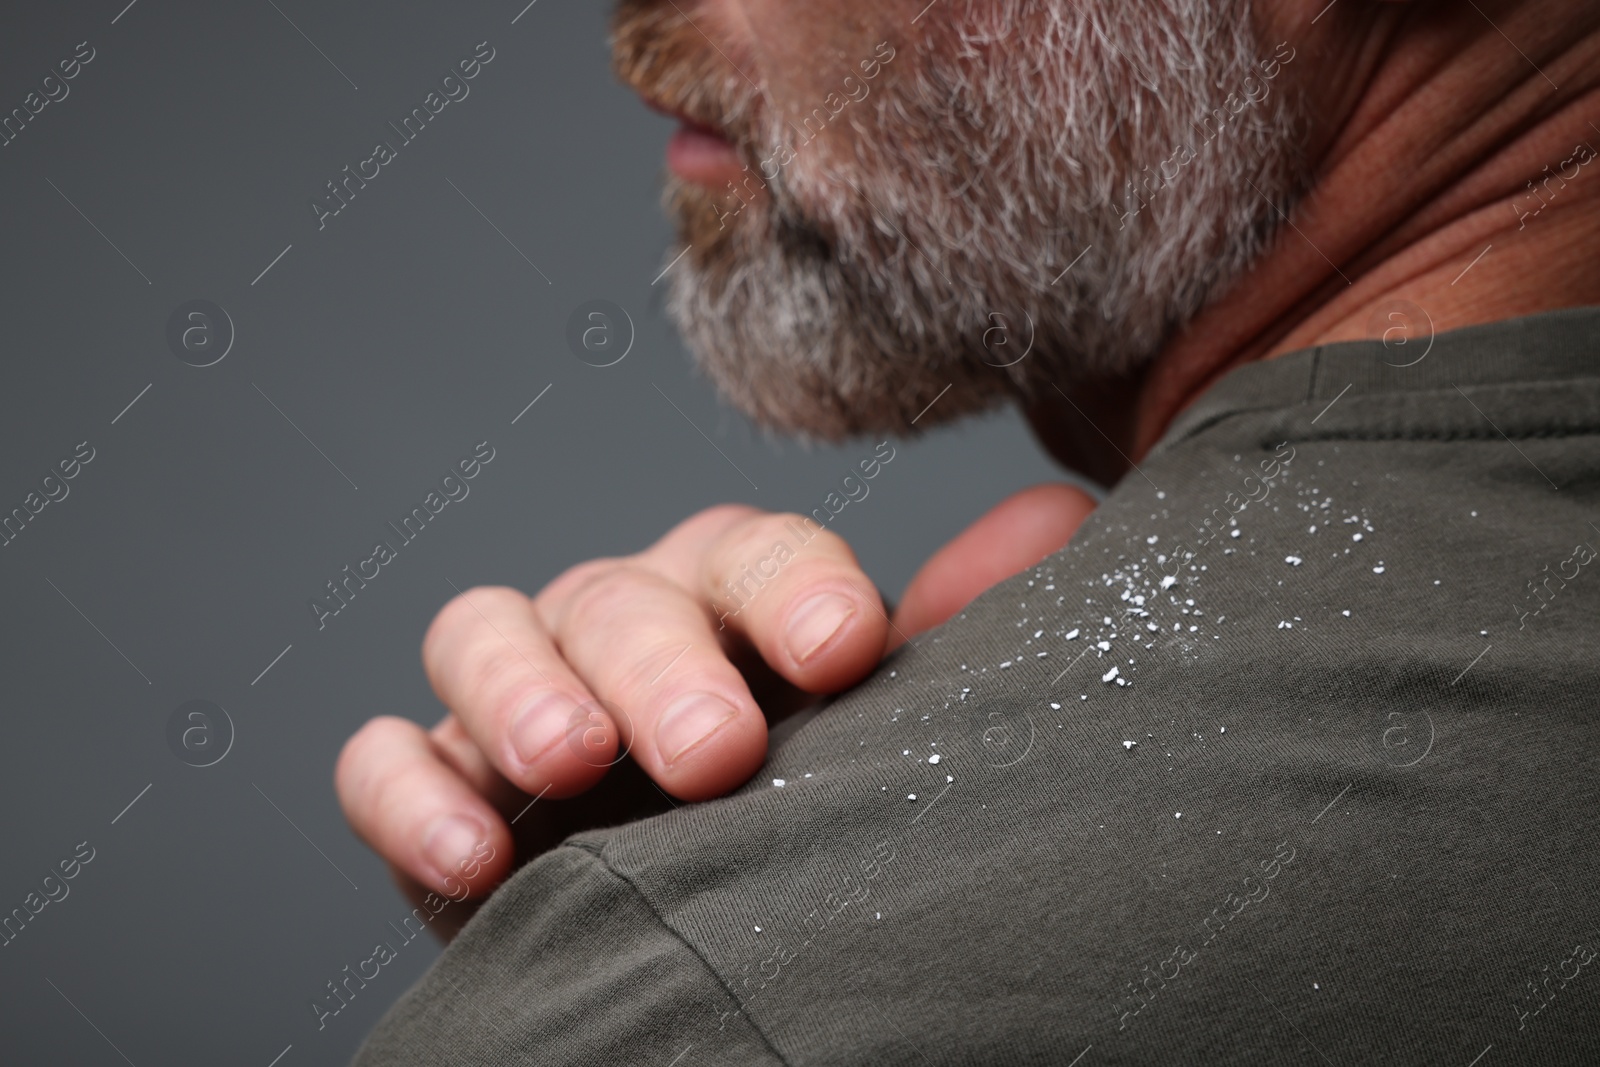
1435,138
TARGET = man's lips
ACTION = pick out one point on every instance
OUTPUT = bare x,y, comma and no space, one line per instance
702,155
698,152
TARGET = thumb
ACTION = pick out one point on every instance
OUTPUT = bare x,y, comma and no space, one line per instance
1012,536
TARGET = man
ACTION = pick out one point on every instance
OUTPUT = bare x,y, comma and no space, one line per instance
1288,755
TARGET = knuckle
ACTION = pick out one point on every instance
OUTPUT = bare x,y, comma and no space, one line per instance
574,578
830,543
776,526
374,733
355,766
643,664
726,512
397,791
608,595
782,543
798,531
630,612
715,518
494,680
467,607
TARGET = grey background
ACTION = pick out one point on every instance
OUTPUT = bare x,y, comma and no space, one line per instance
182,561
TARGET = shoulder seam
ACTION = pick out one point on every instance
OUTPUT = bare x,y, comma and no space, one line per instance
596,852
1383,434
1546,433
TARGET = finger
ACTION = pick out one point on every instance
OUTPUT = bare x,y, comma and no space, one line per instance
1014,535
797,593
497,669
643,643
416,811
457,748
534,829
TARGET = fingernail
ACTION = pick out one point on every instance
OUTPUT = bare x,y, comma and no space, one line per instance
541,726
688,721
450,840
814,623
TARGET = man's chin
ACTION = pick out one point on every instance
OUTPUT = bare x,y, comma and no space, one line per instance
795,338
810,408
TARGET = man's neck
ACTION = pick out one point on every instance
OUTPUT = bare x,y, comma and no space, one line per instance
1421,219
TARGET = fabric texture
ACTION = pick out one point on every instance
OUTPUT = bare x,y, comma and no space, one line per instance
1290,757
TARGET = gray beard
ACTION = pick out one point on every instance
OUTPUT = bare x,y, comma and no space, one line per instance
932,262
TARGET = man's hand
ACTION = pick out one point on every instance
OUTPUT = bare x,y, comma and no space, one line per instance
653,656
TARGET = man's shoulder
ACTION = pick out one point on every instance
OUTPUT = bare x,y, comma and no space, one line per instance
1271,665
1308,678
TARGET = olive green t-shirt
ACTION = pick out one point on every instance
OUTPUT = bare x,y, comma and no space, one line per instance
1290,757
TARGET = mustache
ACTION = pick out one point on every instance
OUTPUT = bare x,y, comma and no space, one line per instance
659,53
